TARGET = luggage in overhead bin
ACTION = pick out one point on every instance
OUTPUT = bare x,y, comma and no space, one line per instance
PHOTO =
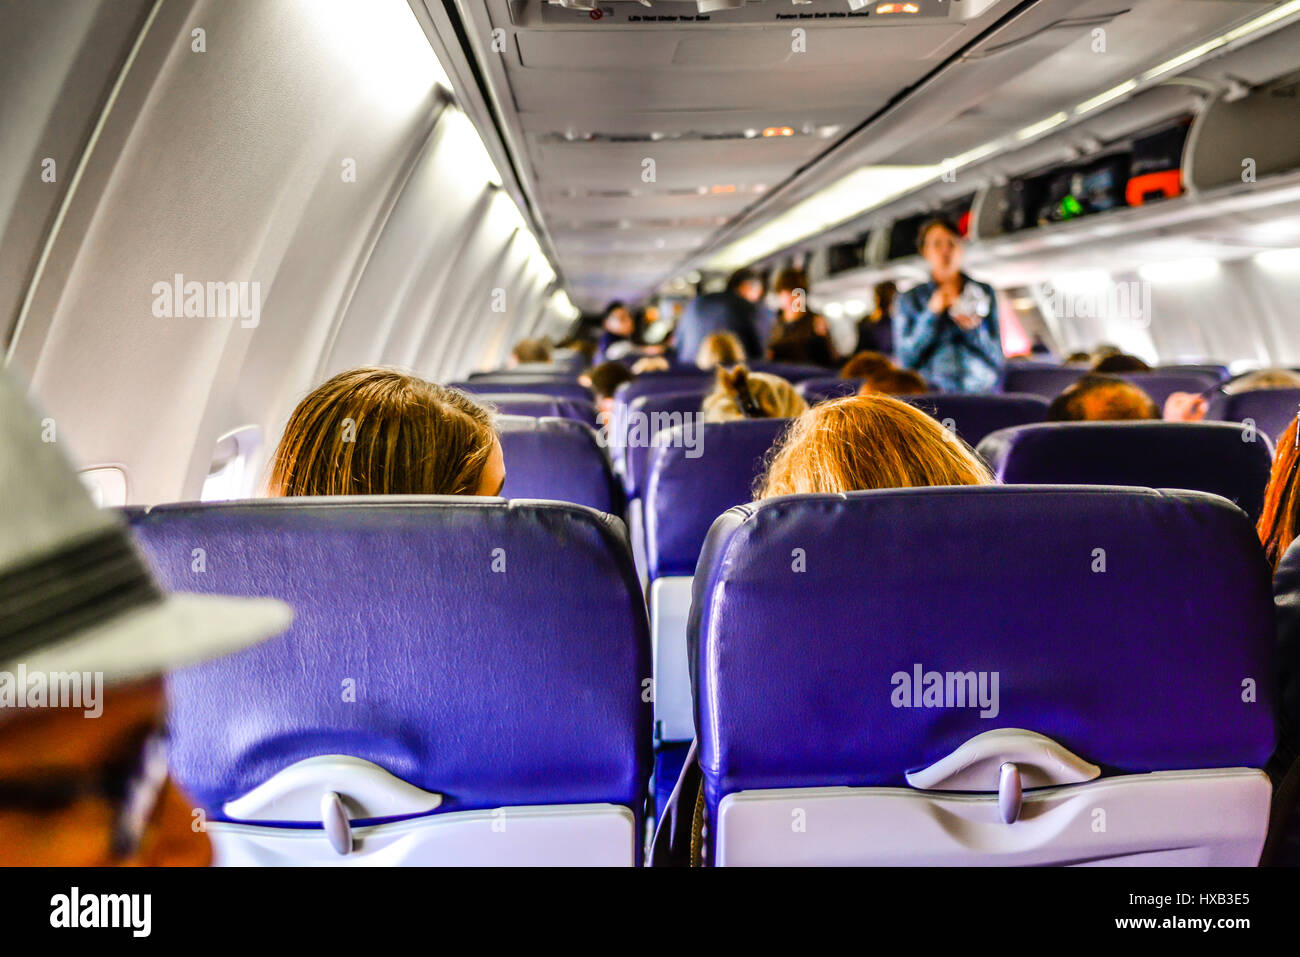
1102,185
1156,170
1058,202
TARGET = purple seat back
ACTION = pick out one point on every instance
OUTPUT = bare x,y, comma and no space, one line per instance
639,423
688,488
790,372
1137,668
1205,456
1272,410
496,650
1159,383
975,416
557,459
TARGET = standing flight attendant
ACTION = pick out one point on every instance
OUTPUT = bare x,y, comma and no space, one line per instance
947,329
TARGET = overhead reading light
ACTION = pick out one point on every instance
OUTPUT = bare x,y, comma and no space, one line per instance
884,8
713,6
778,131
576,4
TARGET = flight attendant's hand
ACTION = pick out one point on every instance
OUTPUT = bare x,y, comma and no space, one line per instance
941,300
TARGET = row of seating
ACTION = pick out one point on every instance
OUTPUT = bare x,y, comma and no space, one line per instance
469,680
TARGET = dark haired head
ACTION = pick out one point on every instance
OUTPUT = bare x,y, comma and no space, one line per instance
605,378
740,277
1102,398
789,279
1120,362
936,222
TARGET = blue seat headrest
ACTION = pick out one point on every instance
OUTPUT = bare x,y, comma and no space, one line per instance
689,487
1272,410
1159,383
492,652
559,459
640,422
1205,456
1132,626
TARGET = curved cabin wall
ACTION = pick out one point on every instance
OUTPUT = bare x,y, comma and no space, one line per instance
233,165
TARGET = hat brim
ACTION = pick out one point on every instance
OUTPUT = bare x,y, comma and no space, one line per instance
179,631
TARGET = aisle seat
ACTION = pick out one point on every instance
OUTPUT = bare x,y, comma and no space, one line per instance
984,676
463,682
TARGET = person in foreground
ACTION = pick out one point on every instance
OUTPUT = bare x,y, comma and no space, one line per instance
1278,527
83,765
376,431
947,329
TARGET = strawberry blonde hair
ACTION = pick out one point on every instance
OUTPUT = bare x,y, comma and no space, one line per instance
868,442
1278,524
374,431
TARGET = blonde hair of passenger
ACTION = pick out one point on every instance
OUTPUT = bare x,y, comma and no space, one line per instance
1264,379
775,397
720,349
376,431
868,442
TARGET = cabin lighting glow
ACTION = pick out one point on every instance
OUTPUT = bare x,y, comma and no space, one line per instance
778,131
884,8
1029,132
847,197
1282,260
1101,99
1179,270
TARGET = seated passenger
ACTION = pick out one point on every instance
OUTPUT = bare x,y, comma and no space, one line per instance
868,442
1120,362
876,328
1079,359
1193,407
1264,379
720,349
374,431
800,336
1278,528
894,382
1102,398
530,351
603,381
1279,523
619,329
741,394
865,364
